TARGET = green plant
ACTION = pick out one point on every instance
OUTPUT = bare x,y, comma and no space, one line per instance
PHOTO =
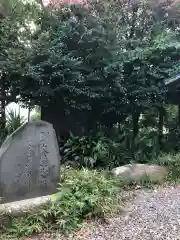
172,138
82,194
146,145
14,121
3,135
103,86
88,151
146,181
172,162
99,151
37,114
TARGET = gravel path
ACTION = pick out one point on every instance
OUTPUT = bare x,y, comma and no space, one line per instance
154,215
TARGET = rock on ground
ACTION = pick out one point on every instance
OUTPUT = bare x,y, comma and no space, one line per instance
20,208
29,162
155,215
138,172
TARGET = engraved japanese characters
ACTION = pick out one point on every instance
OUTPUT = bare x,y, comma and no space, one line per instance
29,162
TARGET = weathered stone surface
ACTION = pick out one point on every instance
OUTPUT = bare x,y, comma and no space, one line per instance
29,162
138,172
20,208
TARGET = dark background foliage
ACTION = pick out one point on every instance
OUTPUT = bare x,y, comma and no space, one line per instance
94,68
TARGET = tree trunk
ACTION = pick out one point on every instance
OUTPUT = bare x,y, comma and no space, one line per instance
179,114
29,113
2,103
135,126
161,121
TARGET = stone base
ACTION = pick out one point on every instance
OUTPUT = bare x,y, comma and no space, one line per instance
21,208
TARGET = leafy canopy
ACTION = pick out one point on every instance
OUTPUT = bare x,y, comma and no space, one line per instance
99,63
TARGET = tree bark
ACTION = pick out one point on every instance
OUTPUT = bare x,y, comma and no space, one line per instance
179,114
135,126
2,102
161,121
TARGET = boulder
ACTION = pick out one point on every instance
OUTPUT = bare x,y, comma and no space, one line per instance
29,163
11,210
20,208
140,172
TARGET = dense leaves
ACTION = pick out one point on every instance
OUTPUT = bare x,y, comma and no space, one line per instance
14,44
100,64
83,194
14,121
76,65
104,66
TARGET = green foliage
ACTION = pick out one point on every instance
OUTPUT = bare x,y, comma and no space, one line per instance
86,151
97,151
110,70
146,145
172,137
146,181
82,194
14,121
101,65
3,135
86,48
15,17
100,151
172,162
37,115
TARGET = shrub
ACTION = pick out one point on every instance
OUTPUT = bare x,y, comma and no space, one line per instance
3,135
82,194
172,162
37,114
172,142
87,151
14,121
96,151
146,145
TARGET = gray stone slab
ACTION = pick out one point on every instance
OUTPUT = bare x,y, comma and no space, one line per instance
29,162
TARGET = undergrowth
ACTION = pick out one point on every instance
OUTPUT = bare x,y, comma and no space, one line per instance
172,162
82,194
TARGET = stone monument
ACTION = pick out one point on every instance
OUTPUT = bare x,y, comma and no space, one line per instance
29,162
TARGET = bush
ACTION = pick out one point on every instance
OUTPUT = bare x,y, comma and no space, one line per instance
37,114
96,151
82,194
172,162
172,141
14,121
3,135
146,145
87,151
